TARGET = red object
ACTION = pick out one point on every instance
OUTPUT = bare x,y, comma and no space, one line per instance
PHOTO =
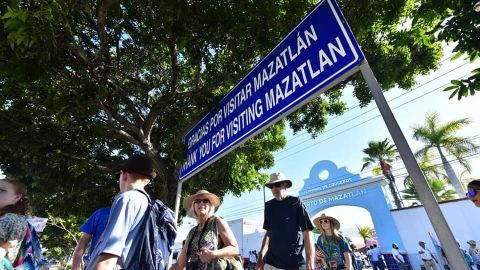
246,262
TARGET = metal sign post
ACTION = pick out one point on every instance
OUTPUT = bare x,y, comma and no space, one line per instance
445,235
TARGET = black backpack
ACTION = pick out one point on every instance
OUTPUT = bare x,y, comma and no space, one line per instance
157,232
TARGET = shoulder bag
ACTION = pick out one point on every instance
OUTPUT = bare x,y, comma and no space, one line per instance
229,263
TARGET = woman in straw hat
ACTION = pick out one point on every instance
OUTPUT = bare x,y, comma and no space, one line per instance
333,248
211,240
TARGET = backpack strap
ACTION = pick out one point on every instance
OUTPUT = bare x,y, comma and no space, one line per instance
219,243
144,193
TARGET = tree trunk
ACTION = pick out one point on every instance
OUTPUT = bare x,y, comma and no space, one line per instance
393,190
451,175
166,189
386,169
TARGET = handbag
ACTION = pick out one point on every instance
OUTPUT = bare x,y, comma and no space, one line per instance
229,263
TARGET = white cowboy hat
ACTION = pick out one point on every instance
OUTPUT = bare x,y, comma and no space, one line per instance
277,178
214,200
335,223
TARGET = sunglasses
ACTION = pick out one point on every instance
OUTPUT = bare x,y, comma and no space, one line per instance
326,221
471,193
206,201
277,185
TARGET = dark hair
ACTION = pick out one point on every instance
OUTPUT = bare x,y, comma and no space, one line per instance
475,184
22,206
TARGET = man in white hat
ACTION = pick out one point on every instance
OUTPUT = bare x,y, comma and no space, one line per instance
286,222
474,251
398,257
427,257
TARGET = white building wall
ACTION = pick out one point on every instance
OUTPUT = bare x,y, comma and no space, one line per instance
413,225
248,233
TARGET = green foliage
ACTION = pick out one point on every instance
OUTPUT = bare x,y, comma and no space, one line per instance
456,22
439,187
383,153
379,152
61,233
438,137
464,87
15,22
366,232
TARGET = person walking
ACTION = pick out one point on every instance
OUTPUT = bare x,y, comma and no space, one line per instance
474,192
333,246
19,242
427,257
376,257
358,259
466,257
91,230
127,212
398,257
211,244
252,257
474,252
286,221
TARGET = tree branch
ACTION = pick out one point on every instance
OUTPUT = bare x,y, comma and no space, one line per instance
80,53
158,32
150,121
154,113
144,85
172,50
102,8
197,74
119,118
76,49
123,135
128,102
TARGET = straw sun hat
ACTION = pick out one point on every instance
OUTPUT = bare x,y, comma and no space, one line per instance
277,178
188,201
335,223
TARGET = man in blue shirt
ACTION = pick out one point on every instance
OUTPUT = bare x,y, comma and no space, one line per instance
376,257
91,230
286,222
126,214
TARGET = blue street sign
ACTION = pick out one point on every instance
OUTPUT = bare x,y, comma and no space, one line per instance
317,54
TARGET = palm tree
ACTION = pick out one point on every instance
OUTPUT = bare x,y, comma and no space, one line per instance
464,180
439,189
430,171
383,153
366,233
436,179
442,139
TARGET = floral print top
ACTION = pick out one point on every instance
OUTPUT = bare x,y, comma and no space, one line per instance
13,228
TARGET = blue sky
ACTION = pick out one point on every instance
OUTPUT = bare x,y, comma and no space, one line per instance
346,136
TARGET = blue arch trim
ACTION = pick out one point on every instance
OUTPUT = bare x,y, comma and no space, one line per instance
341,187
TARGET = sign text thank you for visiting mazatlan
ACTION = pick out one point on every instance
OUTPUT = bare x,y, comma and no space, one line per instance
318,53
